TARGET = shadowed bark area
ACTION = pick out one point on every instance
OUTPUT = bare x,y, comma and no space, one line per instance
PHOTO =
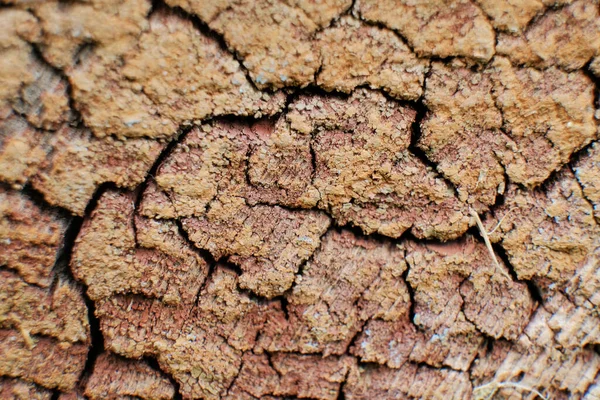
281,199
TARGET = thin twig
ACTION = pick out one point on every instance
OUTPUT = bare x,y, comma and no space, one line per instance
488,244
27,338
500,222
498,385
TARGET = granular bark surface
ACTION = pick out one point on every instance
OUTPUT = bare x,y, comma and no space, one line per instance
281,199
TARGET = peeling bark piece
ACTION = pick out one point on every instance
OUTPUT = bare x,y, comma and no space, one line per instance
547,234
410,381
549,114
268,243
117,253
366,175
457,284
534,361
174,75
568,37
346,282
17,389
22,150
514,16
115,377
110,26
81,162
587,171
273,37
60,313
200,347
31,237
461,134
47,362
441,28
292,375
234,315
355,54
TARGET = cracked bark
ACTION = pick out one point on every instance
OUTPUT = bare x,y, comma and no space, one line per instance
272,199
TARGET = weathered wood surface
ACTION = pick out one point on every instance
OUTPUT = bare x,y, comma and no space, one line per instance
244,199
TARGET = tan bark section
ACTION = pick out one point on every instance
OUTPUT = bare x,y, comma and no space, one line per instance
279,199
114,377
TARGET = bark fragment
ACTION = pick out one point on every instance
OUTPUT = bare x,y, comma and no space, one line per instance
80,163
568,37
355,54
291,375
60,312
31,237
440,28
115,378
348,281
509,114
548,234
408,382
17,389
462,116
273,37
43,360
587,170
118,253
514,17
173,75
364,172
22,150
200,347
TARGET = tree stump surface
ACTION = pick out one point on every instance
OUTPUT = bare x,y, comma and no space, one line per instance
280,199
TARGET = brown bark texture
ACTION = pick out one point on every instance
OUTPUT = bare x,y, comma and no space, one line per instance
280,199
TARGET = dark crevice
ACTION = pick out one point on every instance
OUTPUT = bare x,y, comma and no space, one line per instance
534,291
205,254
284,306
62,269
40,201
411,293
272,365
416,134
63,259
358,232
97,340
341,394
501,254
